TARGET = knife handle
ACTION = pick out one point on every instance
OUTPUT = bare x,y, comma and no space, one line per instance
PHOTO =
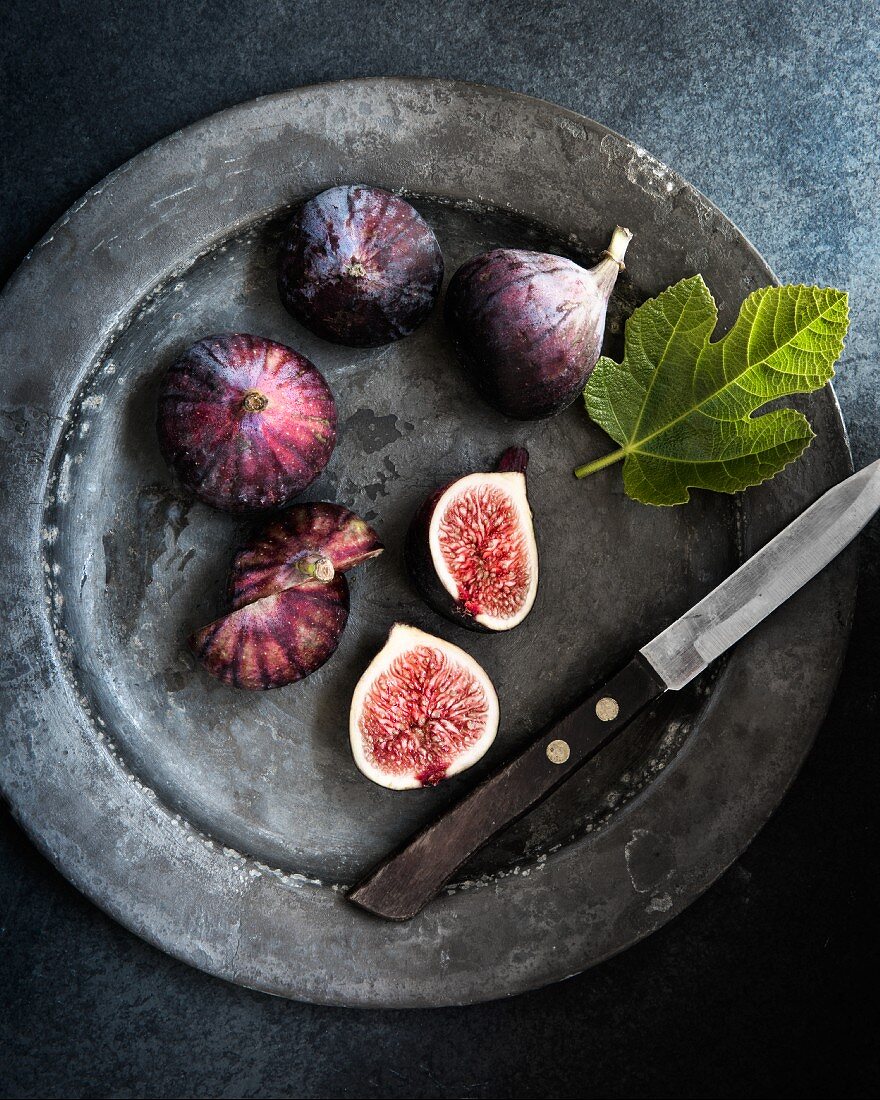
405,882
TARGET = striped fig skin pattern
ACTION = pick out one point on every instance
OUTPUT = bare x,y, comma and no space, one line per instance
276,640
305,533
246,423
528,328
289,598
359,266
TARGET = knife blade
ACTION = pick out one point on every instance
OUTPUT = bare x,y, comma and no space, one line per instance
406,881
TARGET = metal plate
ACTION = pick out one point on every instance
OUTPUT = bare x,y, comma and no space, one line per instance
224,826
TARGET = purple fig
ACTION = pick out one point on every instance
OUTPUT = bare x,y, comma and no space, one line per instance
247,424
359,266
289,598
278,639
317,540
528,326
471,550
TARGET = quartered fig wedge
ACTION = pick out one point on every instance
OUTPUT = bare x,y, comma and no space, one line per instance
423,710
318,540
278,639
471,548
289,598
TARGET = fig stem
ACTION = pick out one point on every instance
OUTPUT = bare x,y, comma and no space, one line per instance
514,460
317,566
600,463
254,401
616,249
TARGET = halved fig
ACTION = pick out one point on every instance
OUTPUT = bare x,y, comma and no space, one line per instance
317,540
471,549
278,639
289,598
422,711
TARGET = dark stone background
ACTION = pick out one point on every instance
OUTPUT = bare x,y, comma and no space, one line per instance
764,986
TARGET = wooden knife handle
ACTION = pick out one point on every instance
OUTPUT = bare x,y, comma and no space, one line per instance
405,882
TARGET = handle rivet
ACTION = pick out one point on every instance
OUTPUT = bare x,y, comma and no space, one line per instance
558,752
607,709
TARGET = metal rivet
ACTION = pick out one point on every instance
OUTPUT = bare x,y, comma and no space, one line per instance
607,709
558,752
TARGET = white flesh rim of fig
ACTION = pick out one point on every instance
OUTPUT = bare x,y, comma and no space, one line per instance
404,639
513,486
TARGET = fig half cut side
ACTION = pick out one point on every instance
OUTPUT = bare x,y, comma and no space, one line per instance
423,710
471,549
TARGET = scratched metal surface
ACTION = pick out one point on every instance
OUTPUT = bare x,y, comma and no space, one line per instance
225,826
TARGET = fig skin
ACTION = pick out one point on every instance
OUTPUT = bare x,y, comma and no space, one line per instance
305,537
359,266
276,640
246,423
528,326
419,559
289,598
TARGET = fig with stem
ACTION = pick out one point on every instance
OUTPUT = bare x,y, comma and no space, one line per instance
289,597
471,549
528,326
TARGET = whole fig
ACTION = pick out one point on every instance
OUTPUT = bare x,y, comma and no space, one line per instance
359,266
246,423
528,326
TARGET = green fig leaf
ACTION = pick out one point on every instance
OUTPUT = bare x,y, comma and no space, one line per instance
681,407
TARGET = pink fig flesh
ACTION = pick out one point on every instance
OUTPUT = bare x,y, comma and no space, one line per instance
471,550
278,639
481,540
317,538
424,709
528,326
246,423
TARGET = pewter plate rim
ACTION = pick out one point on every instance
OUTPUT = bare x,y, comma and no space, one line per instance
217,909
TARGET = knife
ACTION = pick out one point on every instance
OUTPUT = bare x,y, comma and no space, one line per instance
405,882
